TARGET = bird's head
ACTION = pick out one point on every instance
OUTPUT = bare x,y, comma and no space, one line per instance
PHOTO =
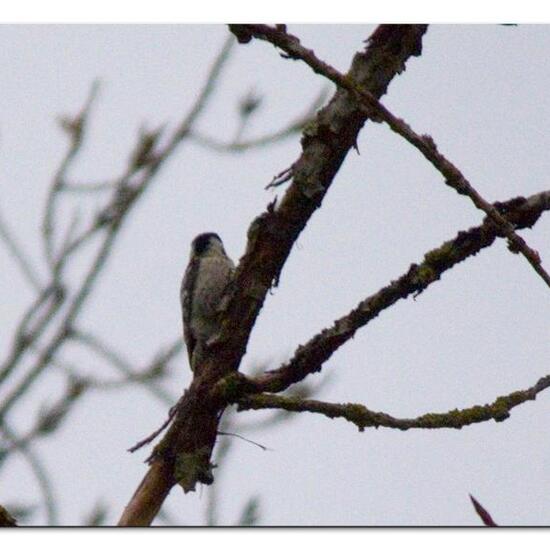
207,243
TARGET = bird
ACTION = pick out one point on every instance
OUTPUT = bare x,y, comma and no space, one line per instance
204,282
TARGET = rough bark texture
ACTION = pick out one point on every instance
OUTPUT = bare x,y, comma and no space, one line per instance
183,456
310,357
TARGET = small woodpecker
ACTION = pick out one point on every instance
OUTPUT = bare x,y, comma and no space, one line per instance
208,273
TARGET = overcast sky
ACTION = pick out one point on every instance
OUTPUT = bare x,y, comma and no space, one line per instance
482,331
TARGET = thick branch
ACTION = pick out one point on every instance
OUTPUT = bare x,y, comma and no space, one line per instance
149,496
310,357
190,439
6,519
425,144
325,143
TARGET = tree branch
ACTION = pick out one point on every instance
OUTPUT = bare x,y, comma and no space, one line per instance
33,323
325,144
363,418
186,448
425,144
20,257
115,359
75,129
309,358
240,145
40,474
127,191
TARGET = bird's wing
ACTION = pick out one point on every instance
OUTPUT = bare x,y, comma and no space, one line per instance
186,293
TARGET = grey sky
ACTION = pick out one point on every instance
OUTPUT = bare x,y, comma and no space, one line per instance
482,331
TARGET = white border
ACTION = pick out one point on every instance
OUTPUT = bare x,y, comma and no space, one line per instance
283,11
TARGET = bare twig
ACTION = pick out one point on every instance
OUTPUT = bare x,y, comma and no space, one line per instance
40,474
250,514
96,516
111,218
124,366
33,323
204,95
50,417
239,145
75,129
425,144
19,255
262,447
68,239
66,325
74,187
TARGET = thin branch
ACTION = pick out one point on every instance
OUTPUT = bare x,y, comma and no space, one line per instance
96,516
303,390
76,188
237,146
205,94
363,417
112,218
50,417
310,357
124,366
66,246
16,250
66,324
250,514
425,144
47,303
152,436
75,129
40,474
262,447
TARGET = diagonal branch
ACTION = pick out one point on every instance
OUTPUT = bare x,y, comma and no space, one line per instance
121,364
126,192
325,143
363,418
183,456
75,129
31,326
19,255
40,473
50,417
239,145
310,357
425,144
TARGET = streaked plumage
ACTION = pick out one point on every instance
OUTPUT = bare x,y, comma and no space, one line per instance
206,277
